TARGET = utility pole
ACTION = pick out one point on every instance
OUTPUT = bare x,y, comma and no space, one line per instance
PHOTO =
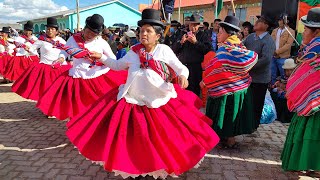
78,16
179,11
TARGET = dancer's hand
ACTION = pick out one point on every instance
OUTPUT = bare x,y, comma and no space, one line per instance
202,85
95,55
60,60
183,82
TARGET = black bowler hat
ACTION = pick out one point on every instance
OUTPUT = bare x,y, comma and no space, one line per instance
266,19
5,30
152,17
52,22
232,22
95,23
175,23
312,19
194,18
28,26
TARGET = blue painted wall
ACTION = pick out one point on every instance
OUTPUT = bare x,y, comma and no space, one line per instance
40,25
112,13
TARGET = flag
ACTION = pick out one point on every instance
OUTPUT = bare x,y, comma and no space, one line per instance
219,6
311,2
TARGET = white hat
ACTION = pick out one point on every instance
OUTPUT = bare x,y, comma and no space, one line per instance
289,64
130,34
122,39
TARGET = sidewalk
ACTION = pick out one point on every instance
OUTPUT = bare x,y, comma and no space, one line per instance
34,147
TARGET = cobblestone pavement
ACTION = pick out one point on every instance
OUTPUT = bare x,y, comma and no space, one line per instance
34,147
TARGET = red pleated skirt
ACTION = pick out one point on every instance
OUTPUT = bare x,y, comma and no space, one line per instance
68,96
36,79
17,65
3,62
136,140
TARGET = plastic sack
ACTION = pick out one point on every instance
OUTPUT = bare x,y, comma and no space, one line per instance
269,113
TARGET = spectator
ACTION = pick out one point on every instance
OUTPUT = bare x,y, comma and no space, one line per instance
193,46
262,43
131,37
106,36
283,41
247,29
214,34
121,47
174,36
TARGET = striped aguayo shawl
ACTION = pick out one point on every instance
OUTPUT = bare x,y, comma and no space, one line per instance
228,72
80,52
22,45
303,87
147,61
311,49
74,52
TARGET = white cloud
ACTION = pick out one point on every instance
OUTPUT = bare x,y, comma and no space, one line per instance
12,11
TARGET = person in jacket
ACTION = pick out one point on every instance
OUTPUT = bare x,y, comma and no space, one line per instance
283,41
194,45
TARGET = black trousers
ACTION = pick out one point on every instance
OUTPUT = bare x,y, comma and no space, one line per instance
258,95
195,77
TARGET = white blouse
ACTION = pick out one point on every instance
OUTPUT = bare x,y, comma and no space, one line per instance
48,53
81,67
22,51
9,49
145,86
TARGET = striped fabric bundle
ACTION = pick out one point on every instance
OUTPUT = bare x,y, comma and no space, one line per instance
228,72
81,52
147,61
74,52
19,44
303,88
28,39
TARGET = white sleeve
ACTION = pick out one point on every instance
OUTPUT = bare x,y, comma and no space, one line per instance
174,62
72,43
15,32
120,64
62,41
2,48
32,48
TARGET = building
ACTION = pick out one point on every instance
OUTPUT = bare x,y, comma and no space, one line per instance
14,26
113,11
246,10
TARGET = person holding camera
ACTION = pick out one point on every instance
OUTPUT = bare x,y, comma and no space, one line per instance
283,41
193,46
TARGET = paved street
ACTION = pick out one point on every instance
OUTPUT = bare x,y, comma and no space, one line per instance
34,147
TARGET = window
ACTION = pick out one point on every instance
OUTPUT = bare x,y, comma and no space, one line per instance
241,13
252,19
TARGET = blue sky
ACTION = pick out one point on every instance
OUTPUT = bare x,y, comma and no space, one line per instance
12,11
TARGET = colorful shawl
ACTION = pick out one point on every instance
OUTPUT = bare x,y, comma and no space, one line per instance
28,39
19,44
303,88
74,52
81,52
147,61
310,50
228,72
